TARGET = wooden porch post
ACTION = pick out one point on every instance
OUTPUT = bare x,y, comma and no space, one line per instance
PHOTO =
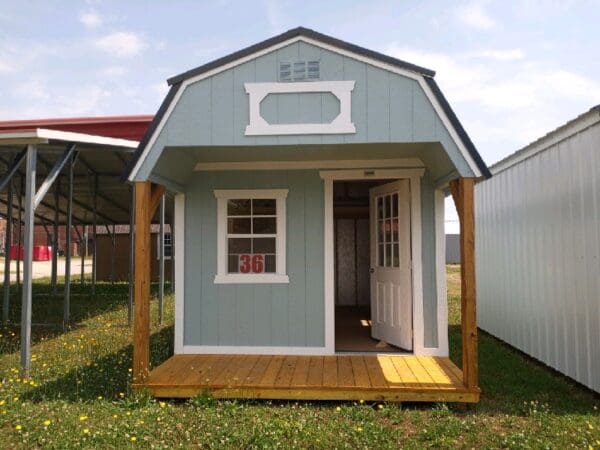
147,199
463,194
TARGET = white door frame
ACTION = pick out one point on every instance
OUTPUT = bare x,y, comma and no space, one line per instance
414,177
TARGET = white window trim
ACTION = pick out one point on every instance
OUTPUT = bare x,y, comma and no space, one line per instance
158,248
222,277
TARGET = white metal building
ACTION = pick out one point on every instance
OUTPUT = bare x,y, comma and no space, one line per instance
538,249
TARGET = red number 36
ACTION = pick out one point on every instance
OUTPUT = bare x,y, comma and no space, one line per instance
252,263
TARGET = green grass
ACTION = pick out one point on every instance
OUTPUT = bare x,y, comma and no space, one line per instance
79,396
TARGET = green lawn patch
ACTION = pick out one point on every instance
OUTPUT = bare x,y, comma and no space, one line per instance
79,395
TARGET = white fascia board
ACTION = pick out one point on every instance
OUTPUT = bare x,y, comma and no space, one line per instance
83,138
376,63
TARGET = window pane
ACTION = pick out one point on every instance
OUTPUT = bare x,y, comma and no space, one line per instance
395,205
395,229
396,255
238,207
264,225
388,206
263,207
388,255
270,264
380,207
380,228
238,225
239,245
380,256
388,231
263,245
232,264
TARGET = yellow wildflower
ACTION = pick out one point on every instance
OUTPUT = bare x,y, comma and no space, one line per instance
133,439
46,422
162,404
18,427
2,402
86,430
380,406
82,418
338,408
359,429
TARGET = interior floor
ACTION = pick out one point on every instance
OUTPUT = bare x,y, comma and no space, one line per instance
353,331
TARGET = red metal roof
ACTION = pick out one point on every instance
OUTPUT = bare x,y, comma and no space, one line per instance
123,127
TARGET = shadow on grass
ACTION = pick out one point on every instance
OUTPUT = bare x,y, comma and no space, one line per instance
107,376
509,380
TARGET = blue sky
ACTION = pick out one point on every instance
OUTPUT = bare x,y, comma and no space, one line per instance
513,70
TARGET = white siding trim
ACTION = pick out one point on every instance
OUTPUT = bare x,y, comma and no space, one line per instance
417,265
299,165
329,268
406,73
440,273
253,350
179,248
373,174
341,124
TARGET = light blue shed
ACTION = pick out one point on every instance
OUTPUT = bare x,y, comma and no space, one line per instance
309,177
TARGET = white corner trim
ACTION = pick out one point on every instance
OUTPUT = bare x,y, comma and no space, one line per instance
252,350
397,70
179,254
368,173
342,124
254,278
329,254
300,165
222,277
417,265
440,273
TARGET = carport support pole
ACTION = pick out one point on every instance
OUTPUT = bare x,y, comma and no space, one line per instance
463,193
95,225
9,220
113,255
161,266
131,255
83,251
53,275
27,261
20,231
67,299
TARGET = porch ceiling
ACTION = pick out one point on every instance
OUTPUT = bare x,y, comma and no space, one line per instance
178,163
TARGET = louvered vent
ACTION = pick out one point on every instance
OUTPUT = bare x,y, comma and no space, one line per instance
299,71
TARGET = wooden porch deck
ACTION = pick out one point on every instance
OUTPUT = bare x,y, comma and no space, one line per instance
341,377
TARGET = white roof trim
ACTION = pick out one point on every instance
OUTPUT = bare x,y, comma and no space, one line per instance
391,68
561,133
43,135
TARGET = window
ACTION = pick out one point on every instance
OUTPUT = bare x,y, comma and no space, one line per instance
168,245
299,71
388,246
251,236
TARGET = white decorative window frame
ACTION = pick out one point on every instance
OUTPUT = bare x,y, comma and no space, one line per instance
167,257
222,277
342,124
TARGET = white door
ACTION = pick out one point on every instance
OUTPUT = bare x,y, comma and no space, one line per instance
391,285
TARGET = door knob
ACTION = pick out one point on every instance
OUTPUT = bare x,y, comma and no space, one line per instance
371,270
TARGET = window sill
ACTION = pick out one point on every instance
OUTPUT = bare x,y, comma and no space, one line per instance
271,278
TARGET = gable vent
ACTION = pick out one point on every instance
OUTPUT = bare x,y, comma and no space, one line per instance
299,71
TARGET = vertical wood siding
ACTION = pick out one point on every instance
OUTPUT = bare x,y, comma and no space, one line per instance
538,256
386,107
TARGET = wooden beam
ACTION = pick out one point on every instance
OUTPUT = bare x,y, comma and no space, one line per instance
141,317
463,194
157,193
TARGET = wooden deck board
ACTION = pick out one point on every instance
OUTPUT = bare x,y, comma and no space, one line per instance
340,377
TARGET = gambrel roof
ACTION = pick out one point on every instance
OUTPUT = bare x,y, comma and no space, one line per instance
177,82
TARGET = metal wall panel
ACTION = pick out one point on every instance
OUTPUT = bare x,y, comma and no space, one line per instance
538,256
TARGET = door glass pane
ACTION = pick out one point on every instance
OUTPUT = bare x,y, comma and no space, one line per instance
380,255
380,227
238,207
380,207
237,225
388,206
264,225
388,255
388,231
395,229
263,245
239,245
396,255
263,207
395,205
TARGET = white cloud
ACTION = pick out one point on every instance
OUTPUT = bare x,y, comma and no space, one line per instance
513,54
475,16
91,19
114,71
122,43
